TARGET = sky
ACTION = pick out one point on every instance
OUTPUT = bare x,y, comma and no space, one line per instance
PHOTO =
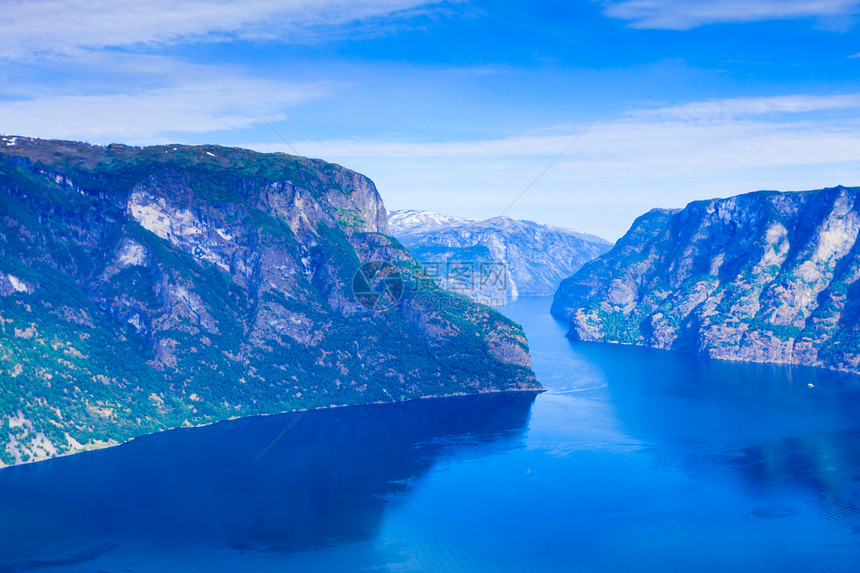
577,113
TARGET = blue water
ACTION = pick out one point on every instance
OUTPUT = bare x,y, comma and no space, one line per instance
633,460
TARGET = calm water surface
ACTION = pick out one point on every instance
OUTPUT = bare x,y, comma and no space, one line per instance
633,460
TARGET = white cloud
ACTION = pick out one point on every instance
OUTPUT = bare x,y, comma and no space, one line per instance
633,146
755,106
39,27
710,135
150,116
687,14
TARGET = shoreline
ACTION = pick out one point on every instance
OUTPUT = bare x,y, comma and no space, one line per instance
107,446
816,367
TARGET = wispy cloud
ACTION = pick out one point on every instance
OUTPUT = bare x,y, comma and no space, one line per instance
687,14
151,116
48,27
713,134
628,147
754,106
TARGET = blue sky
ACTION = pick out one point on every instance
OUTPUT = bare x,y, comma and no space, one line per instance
457,106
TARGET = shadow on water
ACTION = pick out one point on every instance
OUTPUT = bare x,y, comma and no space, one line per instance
77,558
766,428
327,479
662,395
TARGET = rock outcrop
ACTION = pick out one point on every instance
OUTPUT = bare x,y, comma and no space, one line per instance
148,288
764,277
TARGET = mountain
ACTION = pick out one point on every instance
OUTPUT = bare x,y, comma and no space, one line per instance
496,260
410,226
149,288
763,277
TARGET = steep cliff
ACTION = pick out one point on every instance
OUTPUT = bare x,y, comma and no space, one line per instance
764,277
496,260
147,288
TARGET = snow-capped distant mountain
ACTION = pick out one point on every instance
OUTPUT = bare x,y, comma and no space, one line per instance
496,260
410,225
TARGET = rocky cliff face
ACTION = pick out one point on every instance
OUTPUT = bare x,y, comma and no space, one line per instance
147,288
496,260
764,277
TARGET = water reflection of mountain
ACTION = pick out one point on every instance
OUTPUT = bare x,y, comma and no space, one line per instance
827,464
760,426
282,483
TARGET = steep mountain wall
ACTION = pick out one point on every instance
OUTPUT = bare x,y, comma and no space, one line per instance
147,288
765,277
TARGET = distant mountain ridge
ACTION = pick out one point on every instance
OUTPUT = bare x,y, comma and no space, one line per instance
415,225
533,257
411,226
145,288
764,277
